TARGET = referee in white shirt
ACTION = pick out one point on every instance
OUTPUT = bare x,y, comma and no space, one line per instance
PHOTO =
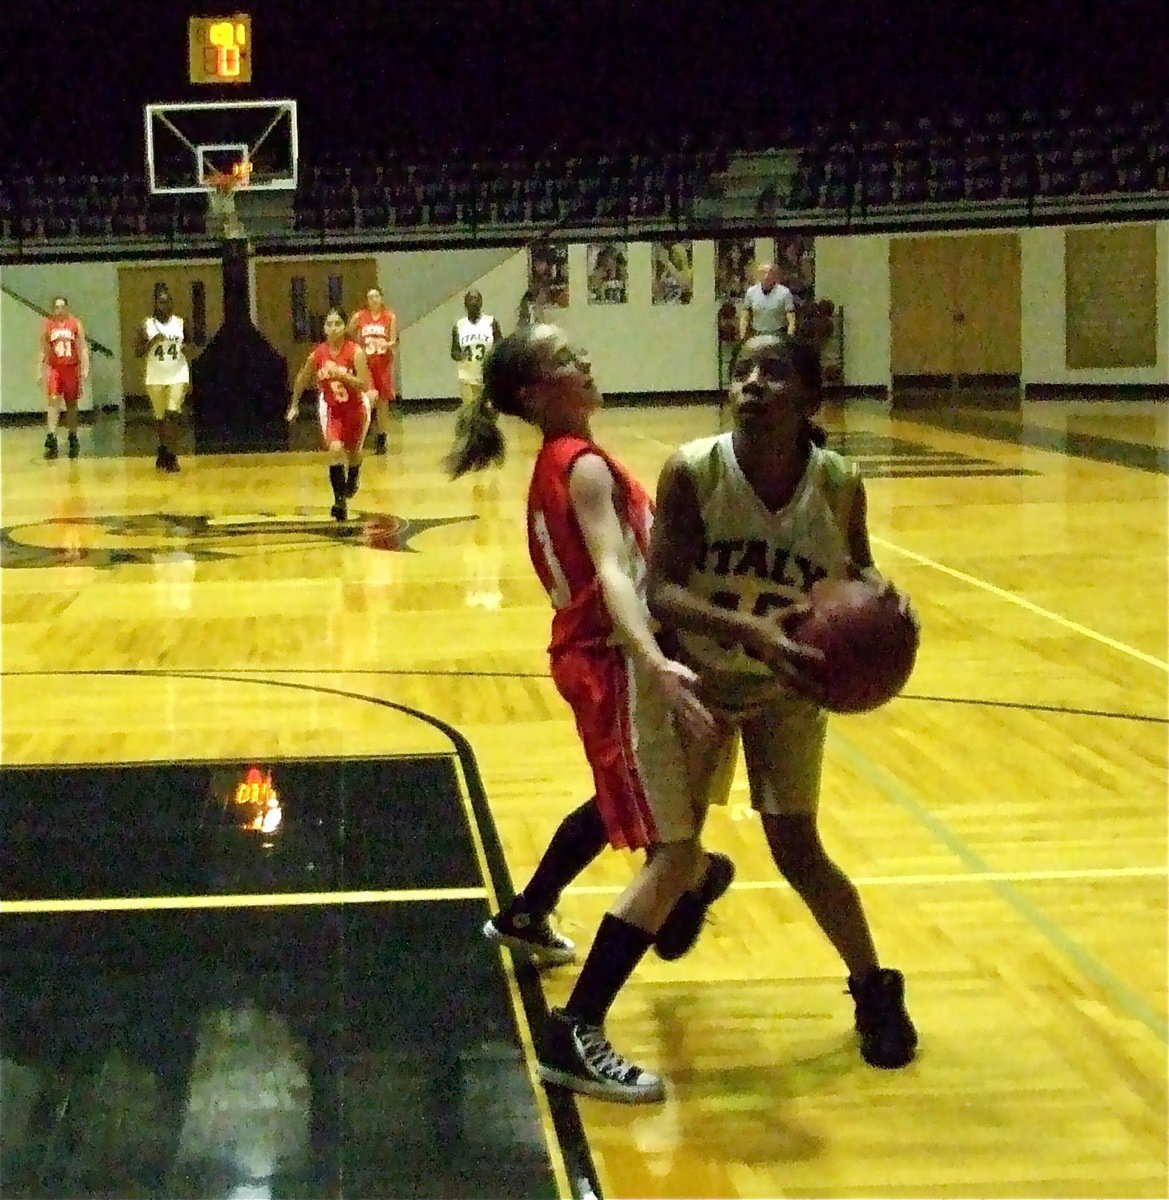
768,306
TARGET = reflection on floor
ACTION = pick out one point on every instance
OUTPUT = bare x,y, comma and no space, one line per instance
881,456
274,1034
1061,437
132,433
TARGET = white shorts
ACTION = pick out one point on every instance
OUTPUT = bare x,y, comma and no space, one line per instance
166,397
783,747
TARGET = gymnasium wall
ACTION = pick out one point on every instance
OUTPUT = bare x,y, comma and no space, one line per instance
92,289
637,347
853,272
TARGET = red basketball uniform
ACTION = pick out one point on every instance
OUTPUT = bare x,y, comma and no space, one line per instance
374,334
343,408
62,342
591,671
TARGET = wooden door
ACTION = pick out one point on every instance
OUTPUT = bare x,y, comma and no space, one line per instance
197,291
955,305
986,316
293,295
921,305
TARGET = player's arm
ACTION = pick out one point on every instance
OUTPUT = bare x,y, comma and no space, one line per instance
456,349
791,315
496,332
590,486
303,379
859,550
351,328
361,375
678,537
392,338
142,339
861,555
44,349
748,321
82,351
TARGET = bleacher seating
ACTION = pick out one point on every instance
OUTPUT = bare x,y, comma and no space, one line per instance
854,169
1066,156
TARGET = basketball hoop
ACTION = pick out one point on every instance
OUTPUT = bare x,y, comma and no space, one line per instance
222,186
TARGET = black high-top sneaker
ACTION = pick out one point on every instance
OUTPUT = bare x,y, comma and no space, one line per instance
888,1038
579,1056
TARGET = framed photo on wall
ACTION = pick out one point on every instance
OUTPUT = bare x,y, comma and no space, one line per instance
608,264
734,267
795,256
673,272
548,275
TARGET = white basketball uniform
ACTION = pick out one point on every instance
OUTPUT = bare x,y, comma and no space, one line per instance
758,561
475,339
168,374
165,362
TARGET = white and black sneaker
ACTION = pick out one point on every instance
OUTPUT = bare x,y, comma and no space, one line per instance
579,1057
533,937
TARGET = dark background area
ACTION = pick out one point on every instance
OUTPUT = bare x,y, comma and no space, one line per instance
447,75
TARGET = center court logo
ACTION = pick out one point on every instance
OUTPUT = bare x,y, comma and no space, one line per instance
104,542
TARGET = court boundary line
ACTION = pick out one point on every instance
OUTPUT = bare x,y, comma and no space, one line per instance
236,900
572,1160
993,589
940,879
1022,602
1124,997
252,673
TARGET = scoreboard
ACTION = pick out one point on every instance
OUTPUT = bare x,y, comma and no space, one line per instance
220,49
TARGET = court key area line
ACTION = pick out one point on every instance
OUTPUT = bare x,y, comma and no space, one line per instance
1022,602
767,885
255,900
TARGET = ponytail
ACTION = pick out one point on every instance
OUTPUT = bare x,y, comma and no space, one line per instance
478,440
510,366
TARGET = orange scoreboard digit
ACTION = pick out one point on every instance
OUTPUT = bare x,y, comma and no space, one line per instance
220,49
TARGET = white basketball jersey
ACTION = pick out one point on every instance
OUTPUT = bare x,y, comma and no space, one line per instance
757,561
165,362
475,339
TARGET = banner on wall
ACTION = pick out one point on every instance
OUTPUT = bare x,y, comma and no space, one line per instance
608,264
795,256
734,267
673,272
548,275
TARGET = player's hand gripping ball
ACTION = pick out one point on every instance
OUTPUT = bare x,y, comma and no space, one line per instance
868,636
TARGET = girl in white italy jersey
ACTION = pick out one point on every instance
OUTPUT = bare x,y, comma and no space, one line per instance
167,375
471,338
746,523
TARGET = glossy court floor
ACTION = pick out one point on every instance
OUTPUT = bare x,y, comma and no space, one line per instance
264,776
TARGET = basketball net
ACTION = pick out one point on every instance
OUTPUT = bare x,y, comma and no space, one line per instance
221,201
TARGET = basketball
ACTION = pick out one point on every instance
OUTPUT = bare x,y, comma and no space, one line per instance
869,644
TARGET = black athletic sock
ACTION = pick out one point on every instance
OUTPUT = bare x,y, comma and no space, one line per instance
578,839
351,478
337,479
616,951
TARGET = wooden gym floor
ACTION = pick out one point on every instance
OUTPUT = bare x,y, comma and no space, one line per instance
192,1008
